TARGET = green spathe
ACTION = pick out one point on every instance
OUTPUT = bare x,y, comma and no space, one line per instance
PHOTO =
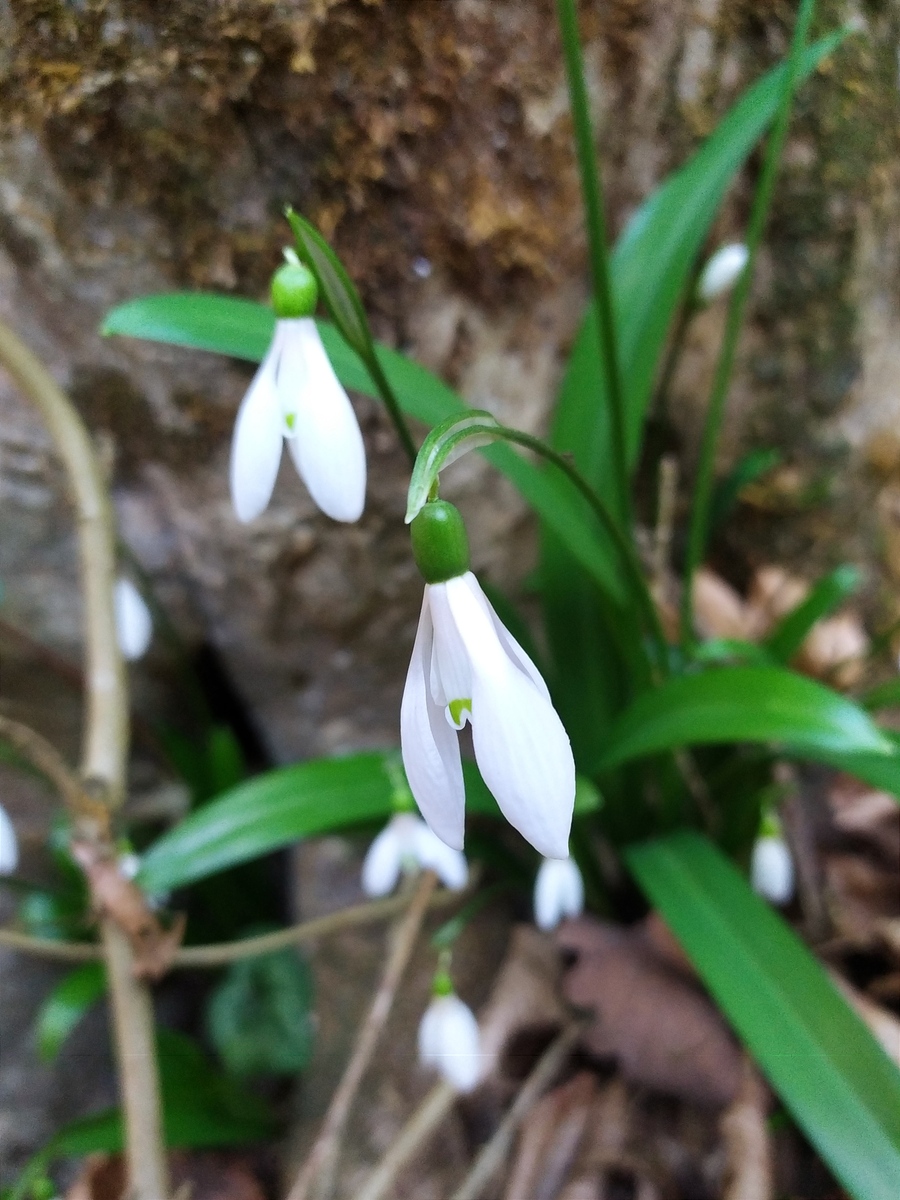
439,541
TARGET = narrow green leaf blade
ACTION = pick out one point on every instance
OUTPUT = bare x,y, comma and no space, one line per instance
75,993
743,704
828,594
336,287
201,320
823,1062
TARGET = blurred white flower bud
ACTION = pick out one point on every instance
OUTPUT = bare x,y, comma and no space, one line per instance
558,892
9,845
134,625
772,869
722,271
449,1041
407,840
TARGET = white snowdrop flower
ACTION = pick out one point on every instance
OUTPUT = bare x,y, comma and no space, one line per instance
466,666
407,841
9,844
558,892
134,624
449,1041
296,397
129,865
722,271
772,869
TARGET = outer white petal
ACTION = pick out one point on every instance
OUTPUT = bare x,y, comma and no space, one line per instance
521,747
9,845
134,625
449,865
450,1041
429,746
722,270
507,641
558,892
451,674
328,450
381,866
772,870
257,442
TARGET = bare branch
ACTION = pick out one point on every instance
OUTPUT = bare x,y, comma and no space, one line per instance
47,760
414,1135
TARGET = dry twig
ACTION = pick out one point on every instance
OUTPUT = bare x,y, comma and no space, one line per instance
413,1137
326,1145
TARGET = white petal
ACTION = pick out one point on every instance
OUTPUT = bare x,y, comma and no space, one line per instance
772,870
509,643
521,747
450,1041
449,865
722,270
381,866
134,625
328,450
429,746
451,675
257,442
9,845
558,892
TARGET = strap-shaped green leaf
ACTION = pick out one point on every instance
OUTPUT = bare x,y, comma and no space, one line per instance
830,592
746,704
830,1072
61,1011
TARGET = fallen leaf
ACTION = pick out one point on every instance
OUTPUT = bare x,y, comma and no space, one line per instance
550,1138
749,1167
658,1026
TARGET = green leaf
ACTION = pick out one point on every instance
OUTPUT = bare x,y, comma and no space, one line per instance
743,704
260,1015
828,594
78,991
728,491
335,286
828,1069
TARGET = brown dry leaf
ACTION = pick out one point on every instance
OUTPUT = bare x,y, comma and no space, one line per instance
112,895
659,1027
835,649
525,1010
773,593
549,1141
867,815
196,1175
860,894
748,1148
718,609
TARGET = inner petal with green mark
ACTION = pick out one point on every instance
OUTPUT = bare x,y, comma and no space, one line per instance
457,710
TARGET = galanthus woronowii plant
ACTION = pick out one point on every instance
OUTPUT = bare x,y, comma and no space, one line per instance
613,729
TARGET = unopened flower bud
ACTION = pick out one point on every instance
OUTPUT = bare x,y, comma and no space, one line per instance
9,845
134,625
406,841
722,271
772,869
449,1041
558,892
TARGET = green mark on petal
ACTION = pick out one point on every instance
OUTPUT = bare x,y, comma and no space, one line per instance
457,708
290,419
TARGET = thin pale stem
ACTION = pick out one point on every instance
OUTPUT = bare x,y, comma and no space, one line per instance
592,192
104,755
413,1137
699,527
220,954
47,760
326,1145
493,1155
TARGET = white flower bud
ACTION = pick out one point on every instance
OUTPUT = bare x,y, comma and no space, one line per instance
722,271
772,869
129,865
558,892
134,625
9,845
449,1041
407,841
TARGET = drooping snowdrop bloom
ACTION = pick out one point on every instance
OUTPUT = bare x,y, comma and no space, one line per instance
558,892
295,397
449,1039
466,666
772,869
722,271
134,625
406,841
9,844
